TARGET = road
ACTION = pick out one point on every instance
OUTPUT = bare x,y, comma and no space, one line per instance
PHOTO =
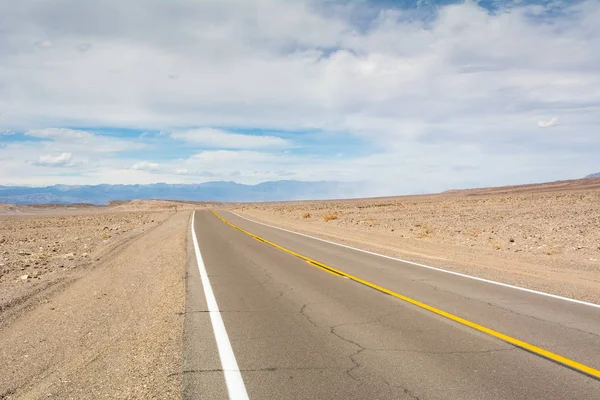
301,330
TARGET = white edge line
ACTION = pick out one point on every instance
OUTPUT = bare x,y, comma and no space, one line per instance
585,303
231,371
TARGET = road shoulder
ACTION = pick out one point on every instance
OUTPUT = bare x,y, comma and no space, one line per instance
116,332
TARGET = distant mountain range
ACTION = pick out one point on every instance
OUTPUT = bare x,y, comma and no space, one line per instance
596,175
209,191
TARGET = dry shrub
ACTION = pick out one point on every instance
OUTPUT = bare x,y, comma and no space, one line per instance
329,217
306,215
425,231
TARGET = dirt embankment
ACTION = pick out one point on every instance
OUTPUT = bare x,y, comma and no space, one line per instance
92,304
544,237
38,252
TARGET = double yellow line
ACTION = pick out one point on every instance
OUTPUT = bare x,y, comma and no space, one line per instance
592,372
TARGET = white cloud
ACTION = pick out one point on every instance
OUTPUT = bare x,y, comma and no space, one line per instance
548,124
72,139
44,44
240,64
83,47
59,134
463,77
146,166
61,160
217,138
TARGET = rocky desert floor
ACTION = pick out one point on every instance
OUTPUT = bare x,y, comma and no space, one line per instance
91,300
543,237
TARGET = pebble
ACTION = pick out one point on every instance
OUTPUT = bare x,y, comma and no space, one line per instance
24,277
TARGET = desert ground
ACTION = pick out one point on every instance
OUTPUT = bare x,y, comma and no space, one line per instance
92,298
543,237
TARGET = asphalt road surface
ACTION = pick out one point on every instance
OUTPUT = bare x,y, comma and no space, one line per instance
288,328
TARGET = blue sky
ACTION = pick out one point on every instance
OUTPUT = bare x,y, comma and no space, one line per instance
413,96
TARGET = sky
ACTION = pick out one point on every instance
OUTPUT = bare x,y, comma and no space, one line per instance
410,96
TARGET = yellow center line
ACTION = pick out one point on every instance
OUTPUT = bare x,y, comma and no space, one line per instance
323,267
515,342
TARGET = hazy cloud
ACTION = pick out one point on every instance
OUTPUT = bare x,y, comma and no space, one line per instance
146,166
44,44
61,160
73,139
548,124
217,138
83,47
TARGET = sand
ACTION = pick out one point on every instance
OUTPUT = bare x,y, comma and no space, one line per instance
92,301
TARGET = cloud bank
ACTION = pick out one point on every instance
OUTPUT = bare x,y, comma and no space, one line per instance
420,99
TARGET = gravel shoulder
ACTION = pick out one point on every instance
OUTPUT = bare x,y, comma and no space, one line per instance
114,330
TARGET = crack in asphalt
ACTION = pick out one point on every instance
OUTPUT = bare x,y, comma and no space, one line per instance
437,289
542,320
405,390
352,356
446,352
267,369
303,312
265,311
351,372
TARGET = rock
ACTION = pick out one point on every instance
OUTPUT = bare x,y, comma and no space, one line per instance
23,253
24,277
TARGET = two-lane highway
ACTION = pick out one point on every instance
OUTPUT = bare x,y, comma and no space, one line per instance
291,317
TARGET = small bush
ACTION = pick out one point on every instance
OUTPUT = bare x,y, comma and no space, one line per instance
306,215
329,217
425,231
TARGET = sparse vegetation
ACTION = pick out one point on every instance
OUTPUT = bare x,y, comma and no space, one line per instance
329,217
306,215
425,232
